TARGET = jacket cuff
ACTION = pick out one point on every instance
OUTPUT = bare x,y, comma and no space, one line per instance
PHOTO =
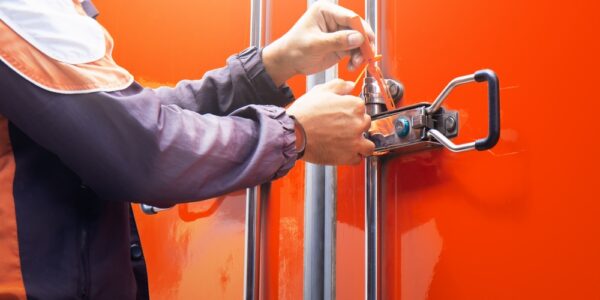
264,87
287,141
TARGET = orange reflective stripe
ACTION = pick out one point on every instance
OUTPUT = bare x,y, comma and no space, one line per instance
11,279
47,73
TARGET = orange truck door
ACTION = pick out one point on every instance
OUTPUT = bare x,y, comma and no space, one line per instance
518,221
195,250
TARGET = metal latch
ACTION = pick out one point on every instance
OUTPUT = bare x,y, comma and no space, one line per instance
425,126
151,210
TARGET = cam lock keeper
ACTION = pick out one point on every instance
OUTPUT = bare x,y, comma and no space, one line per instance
425,126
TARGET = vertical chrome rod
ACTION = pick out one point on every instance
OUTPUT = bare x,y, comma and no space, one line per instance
330,232
372,191
314,208
319,216
253,195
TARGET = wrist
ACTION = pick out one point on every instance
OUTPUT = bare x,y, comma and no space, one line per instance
300,137
276,64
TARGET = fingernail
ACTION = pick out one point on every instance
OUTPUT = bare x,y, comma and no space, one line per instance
357,60
355,39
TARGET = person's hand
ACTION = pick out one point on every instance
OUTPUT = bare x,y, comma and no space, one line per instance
334,123
319,39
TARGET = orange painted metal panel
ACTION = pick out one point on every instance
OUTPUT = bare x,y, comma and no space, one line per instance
284,226
350,235
196,250
519,221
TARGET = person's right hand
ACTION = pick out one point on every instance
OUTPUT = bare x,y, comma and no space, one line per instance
334,122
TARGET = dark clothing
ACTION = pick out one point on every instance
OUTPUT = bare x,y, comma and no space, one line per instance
82,158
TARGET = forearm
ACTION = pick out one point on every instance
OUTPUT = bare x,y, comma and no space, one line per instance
242,82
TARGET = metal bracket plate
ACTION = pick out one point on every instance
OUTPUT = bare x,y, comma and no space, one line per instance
405,129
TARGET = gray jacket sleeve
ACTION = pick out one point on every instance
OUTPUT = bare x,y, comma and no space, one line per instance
138,145
242,82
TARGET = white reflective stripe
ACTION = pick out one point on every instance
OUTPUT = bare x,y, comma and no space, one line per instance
56,29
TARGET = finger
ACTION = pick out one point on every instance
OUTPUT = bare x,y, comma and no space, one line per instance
366,125
340,15
369,31
356,159
339,86
366,147
341,40
356,59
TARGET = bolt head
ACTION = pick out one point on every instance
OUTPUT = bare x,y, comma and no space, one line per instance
450,124
402,126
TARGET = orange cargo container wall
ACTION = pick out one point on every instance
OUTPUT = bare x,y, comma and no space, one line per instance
193,251
350,235
519,221
282,275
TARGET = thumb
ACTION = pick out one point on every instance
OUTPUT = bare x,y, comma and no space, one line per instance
343,40
339,86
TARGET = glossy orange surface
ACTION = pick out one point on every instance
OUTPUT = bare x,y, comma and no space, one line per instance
283,258
196,250
350,235
519,221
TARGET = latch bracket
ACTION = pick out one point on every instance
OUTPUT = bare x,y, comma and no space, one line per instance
425,126
405,130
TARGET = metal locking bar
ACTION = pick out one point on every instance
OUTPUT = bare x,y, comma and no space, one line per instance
425,126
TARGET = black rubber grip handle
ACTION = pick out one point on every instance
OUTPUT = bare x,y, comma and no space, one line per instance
494,109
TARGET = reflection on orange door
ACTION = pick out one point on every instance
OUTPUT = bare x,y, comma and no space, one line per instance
196,250
519,221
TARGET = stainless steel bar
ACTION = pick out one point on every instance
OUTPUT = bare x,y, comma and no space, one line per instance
330,232
319,216
372,181
448,143
254,197
446,91
256,23
314,217
372,193
371,16
252,251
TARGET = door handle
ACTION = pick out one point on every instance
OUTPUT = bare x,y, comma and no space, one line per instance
493,107
425,126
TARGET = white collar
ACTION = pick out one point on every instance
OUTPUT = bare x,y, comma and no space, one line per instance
55,28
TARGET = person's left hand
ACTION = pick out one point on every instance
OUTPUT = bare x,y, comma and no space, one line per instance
316,42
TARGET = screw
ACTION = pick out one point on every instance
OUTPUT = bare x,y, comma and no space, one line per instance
396,89
450,124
